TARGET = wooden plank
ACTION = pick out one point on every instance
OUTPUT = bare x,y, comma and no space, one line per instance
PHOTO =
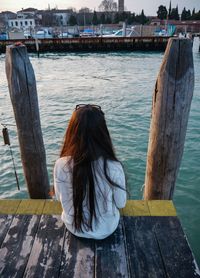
77,258
9,206
161,208
52,207
5,221
44,260
176,253
31,206
140,208
17,245
128,209
142,249
111,256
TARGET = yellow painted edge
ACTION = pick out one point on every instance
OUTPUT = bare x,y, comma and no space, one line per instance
161,208
31,206
140,208
128,209
132,208
52,207
9,206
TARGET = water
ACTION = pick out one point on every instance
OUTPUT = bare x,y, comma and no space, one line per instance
122,83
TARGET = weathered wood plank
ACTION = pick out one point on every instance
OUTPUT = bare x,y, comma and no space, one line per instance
31,206
9,206
110,255
77,258
161,208
135,208
17,245
176,253
44,260
140,208
5,221
52,207
128,209
142,249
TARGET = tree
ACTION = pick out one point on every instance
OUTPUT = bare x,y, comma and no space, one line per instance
186,14
72,20
94,18
170,10
162,12
175,14
116,18
141,18
108,6
102,19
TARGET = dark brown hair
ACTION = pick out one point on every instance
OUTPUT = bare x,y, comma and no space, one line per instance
87,138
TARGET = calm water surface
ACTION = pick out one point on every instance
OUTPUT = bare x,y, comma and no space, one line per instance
122,83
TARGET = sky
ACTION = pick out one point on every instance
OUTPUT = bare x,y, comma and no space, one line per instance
150,6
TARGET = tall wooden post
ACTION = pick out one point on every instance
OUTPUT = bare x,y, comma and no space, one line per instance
170,111
23,94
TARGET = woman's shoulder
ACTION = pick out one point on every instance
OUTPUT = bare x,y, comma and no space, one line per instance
63,163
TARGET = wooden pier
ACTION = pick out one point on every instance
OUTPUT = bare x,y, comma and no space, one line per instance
93,44
149,242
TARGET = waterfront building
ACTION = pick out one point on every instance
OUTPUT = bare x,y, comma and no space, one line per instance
25,19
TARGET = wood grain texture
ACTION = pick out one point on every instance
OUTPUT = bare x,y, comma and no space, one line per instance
161,208
49,207
140,208
142,249
78,257
45,257
52,207
170,111
5,221
110,256
16,247
23,94
174,248
31,207
9,206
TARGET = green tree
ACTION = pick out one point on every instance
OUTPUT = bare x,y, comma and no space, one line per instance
141,18
94,18
162,12
103,19
170,10
193,14
72,20
174,14
186,14
116,18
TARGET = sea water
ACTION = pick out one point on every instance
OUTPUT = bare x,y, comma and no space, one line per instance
122,84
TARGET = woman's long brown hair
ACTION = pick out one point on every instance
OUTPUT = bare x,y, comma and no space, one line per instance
87,138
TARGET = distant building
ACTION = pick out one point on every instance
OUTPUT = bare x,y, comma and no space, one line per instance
62,16
25,19
121,6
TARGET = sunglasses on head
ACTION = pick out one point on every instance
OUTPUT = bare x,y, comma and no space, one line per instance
78,106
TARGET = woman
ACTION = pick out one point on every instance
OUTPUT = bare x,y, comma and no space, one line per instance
89,180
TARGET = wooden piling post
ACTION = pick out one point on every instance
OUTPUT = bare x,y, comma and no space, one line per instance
170,111
23,94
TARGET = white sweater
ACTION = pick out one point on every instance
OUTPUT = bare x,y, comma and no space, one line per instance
108,210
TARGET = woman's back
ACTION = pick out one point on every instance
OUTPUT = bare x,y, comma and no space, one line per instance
108,198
